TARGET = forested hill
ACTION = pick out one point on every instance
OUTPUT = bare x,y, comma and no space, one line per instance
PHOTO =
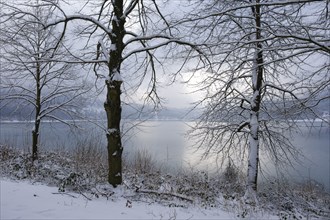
12,111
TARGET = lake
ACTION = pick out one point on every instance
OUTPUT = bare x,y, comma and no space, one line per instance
167,143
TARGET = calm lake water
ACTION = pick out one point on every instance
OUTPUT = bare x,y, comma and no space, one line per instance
167,143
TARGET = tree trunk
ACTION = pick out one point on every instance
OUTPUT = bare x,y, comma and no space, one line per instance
35,140
253,159
113,110
113,104
257,78
35,132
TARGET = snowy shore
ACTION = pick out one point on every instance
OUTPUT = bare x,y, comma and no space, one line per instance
63,186
23,200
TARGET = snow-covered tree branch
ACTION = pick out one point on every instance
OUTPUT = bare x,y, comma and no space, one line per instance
31,74
123,33
270,67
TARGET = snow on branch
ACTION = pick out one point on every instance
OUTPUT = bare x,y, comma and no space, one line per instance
242,125
104,50
248,6
324,47
165,194
80,17
80,61
50,109
66,122
129,8
281,89
19,96
154,36
117,77
153,47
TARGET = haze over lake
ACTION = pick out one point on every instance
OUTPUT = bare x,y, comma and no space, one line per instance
168,144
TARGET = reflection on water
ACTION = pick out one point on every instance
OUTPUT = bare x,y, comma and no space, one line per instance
167,143
315,145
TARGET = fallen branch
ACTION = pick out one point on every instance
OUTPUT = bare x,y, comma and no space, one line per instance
64,193
104,194
165,193
80,192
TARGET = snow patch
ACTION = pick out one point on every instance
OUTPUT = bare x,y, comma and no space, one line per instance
116,19
254,98
254,70
254,123
104,50
107,79
117,77
112,131
113,47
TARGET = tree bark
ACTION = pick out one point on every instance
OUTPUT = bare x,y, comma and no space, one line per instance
35,132
113,110
113,103
35,140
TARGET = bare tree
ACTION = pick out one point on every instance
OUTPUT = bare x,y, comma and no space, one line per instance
30,72
270,67
126,35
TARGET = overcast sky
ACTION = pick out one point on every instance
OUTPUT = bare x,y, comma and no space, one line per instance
176,95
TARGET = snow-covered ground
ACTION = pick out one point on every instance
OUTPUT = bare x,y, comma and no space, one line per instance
24,200
65,186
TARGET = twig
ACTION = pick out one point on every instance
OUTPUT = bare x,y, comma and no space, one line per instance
105,194
64,193
138,200
89,199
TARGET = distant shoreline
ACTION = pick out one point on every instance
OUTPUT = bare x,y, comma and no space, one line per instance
318,120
